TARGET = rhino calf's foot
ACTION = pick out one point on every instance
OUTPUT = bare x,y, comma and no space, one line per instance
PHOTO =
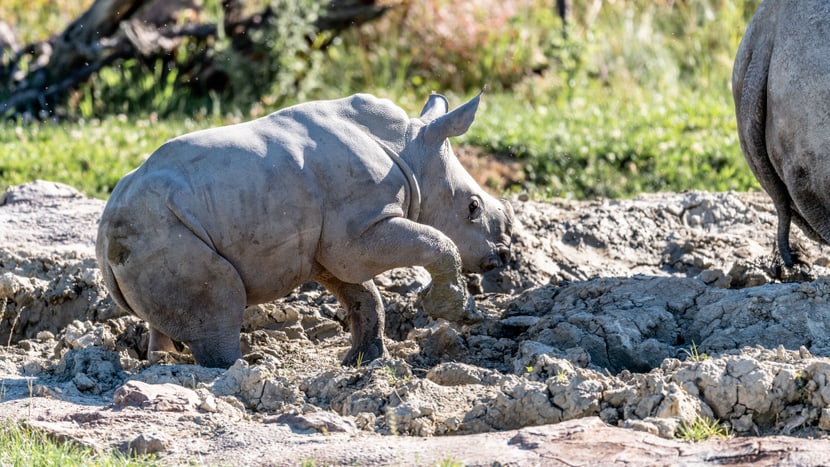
450,302
366,317
365,353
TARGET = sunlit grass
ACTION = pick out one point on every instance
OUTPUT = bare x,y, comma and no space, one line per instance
89,155
36,20
589,146
701,429
20,446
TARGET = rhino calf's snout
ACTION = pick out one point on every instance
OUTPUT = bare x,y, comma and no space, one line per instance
504,255
498,259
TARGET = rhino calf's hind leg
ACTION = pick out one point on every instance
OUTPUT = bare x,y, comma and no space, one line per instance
366,317
160,342
197,298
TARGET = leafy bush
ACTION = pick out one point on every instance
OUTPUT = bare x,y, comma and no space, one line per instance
132,87
278,66
281,65
449,45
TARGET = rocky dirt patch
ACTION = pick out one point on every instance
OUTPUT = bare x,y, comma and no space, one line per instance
616,321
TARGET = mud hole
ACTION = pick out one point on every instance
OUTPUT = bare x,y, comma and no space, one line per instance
637,313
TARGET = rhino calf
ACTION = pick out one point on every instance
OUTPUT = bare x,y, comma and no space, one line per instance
333,191
781,87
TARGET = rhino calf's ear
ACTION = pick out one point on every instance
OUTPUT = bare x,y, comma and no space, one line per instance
435,107
454,123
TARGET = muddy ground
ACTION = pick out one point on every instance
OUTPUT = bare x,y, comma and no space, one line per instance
616,321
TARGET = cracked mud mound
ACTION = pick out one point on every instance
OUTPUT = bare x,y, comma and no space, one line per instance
637,314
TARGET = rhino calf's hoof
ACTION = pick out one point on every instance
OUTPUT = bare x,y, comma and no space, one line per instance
373,350
451,303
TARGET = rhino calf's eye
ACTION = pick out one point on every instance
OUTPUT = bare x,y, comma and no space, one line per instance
475,209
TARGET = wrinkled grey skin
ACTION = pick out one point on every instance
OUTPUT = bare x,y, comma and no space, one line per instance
220,219
781,87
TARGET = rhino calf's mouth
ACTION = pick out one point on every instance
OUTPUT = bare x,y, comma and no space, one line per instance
498,259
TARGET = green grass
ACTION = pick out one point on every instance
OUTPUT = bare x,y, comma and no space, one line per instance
91,156
592,146
634,98
694,355
584,148
35,19
20,446
701,429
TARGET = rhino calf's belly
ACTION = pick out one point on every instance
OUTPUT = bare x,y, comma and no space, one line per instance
271,271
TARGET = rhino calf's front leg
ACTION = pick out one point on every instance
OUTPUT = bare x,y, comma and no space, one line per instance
398,242
366,317
447,296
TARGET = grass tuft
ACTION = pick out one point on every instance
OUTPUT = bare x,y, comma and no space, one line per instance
702,429
23,446
694,355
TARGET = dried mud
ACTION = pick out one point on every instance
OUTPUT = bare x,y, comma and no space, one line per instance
616,321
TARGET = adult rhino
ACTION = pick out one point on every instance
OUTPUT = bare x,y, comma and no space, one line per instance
781,87
335,191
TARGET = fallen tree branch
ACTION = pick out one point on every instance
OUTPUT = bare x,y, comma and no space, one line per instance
114,30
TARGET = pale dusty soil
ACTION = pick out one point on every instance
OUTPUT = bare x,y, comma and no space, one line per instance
585,355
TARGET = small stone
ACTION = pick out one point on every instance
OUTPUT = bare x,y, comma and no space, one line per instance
744,424
455,374
209,405
715,278
641,425
161,397
824,420
322,422
365,421
83,382
45,336
146,444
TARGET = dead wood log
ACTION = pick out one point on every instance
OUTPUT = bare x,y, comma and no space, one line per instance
112,30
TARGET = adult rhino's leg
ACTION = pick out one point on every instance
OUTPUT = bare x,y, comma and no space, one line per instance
810,213
366,317
784,212
750,77
398,242
185,291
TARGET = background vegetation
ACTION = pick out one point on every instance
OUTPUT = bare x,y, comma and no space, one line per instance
629,96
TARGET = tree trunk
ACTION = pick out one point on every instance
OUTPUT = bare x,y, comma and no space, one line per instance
111,30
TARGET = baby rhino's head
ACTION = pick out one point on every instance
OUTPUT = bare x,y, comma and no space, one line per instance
480,225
